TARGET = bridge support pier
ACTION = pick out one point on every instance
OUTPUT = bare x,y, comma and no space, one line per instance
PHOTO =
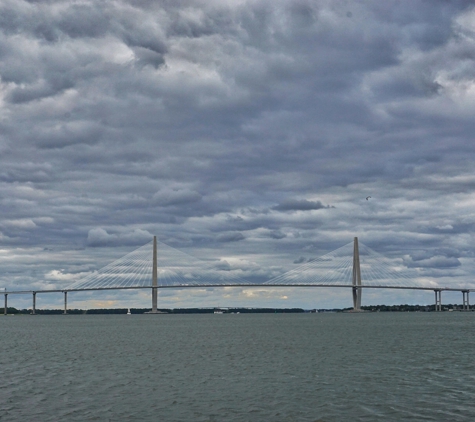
33,309
438,300
356,277
65,303
5,308
465,303
356,299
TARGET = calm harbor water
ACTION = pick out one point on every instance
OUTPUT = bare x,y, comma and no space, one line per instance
271,367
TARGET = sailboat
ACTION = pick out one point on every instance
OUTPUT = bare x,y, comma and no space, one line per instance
128,312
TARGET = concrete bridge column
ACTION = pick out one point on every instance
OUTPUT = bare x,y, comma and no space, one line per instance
6,304
33,310
438,300
154,277
65,303
465,304
356,277
356,299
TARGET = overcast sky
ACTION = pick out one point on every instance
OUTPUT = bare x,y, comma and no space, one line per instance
249,132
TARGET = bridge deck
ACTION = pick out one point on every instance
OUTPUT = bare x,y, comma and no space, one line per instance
190,286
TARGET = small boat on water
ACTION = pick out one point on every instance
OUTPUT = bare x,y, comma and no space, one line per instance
128,312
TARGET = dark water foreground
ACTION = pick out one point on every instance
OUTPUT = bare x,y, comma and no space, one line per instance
283,367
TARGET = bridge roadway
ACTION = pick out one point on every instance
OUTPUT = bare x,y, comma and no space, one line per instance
437,290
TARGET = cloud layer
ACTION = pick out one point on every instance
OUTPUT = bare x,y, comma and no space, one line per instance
244,131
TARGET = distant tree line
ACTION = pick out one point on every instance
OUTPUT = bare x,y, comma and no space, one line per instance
412,308
144,310
135,311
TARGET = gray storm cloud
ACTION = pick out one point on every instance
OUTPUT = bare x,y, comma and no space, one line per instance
214,125
299,205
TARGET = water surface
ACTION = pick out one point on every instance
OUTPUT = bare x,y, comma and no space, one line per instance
246,367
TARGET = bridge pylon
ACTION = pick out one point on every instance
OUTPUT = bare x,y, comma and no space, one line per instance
154,279
356,277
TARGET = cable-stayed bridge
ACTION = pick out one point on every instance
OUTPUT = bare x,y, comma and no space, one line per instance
157,265
174,269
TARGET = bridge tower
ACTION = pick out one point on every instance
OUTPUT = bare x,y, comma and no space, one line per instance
356,277
154,278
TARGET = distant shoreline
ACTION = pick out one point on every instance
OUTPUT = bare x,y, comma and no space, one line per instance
227,310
